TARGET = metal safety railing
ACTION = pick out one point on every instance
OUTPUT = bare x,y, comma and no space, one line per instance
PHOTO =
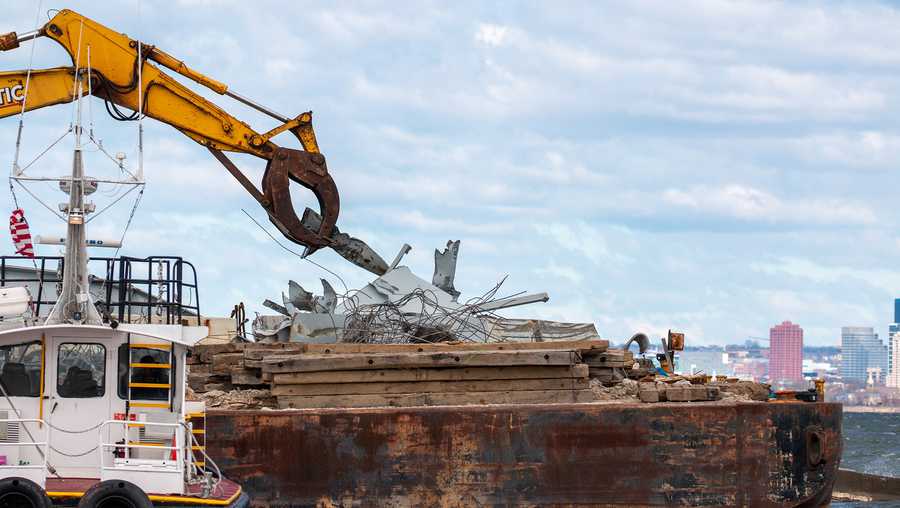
134,464
156,289
42,446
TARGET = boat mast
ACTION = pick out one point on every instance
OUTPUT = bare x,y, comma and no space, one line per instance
75,304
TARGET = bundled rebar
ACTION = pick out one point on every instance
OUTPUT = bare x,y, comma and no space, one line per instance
419,317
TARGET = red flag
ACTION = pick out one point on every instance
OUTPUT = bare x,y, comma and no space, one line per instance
21,235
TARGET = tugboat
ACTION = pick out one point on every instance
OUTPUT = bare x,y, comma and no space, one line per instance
96,413
93,409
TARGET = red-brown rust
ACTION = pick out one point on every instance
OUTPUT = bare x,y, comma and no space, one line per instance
688,454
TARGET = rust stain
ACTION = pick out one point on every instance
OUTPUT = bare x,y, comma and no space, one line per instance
754,454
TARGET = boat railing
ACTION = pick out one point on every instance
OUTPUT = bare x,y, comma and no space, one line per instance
164,474
35,472
161,289
127,446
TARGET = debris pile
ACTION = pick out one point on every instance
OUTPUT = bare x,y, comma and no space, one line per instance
742,391
677,390
625,390
304,375
402,341
372,375
239,399
397,307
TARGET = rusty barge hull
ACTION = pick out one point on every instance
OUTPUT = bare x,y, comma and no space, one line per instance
612,454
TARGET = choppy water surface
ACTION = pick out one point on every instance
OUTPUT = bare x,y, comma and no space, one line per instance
871,445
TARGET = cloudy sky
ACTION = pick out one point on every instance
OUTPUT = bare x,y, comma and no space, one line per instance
714,167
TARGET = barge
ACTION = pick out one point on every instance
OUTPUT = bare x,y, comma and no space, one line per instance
591,454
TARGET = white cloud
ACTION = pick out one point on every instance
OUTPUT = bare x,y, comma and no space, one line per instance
553,269
583,239
884,280
868,149
490,34
748,203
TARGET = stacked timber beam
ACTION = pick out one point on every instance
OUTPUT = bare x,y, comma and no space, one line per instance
609,366
374,375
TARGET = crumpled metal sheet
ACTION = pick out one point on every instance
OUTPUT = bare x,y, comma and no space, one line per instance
537,330
271,328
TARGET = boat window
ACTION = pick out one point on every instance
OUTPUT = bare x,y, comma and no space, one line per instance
81,370
148,366
20,369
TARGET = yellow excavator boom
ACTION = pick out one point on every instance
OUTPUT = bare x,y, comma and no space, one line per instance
111,59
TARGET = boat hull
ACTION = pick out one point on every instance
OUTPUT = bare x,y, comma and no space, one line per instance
668,454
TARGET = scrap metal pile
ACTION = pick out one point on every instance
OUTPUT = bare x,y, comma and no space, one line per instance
399,307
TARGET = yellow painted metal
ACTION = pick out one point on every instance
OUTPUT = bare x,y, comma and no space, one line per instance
46,88
149,385
113,60
156,405
144,443
196,415
166,60
198,431
59,493
151,366
161,499
151,345
197,448
41,392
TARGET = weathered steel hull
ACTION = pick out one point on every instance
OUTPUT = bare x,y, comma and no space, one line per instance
688,454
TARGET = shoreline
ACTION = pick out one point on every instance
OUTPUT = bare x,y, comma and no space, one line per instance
872,409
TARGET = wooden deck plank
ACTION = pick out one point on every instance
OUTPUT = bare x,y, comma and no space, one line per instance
317,363
349,348
261,351
432,387
451,374
437,399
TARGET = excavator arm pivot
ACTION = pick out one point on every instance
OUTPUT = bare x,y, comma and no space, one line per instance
114,61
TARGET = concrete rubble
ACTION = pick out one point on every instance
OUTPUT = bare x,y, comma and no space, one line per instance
239,399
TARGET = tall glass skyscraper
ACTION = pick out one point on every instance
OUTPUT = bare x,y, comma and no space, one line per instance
861,350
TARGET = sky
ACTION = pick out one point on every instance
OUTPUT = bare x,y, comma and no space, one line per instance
707,166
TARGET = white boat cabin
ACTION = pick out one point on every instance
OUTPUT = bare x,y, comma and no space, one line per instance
99,402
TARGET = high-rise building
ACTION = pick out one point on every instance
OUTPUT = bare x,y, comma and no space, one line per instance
861,350
893,379
893,329
786,353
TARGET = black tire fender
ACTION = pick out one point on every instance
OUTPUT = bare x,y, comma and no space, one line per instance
16,491
115,493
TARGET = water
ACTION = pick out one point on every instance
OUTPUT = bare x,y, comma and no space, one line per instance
871,445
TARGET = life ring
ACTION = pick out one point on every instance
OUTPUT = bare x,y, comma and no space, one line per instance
16,491
115,494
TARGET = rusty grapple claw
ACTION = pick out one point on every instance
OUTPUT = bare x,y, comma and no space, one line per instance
309,170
